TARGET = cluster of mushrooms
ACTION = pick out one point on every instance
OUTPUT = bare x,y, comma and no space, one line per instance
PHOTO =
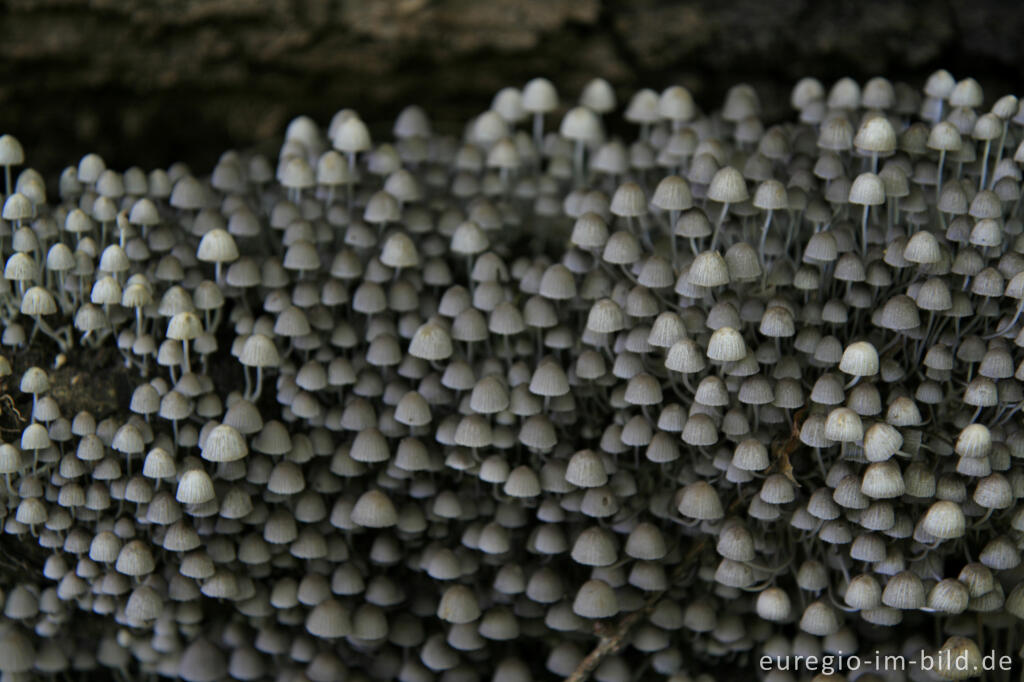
535,402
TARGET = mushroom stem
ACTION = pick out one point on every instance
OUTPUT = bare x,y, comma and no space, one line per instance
864,231
248,382
718,225
351,169
66,304
1009,414
984,165
41,324
938,183
673,216
1009,325
999,149
259,384
187,362
764,236
578,164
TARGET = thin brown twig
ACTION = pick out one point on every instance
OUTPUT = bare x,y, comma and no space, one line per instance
614,637
7,405
782,463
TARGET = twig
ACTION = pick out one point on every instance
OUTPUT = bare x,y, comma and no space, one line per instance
7,405
608,645
782,462
614,638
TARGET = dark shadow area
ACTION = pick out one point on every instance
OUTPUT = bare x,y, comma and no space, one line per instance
150,84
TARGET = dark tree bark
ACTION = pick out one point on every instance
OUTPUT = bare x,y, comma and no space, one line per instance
148,83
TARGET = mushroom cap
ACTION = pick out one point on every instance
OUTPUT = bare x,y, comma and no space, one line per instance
17,653
458,605
581,124
351,136
259,351
38,301
11,154
728,186
187,194
374,509
867,190
295,173
958,659
399,251
431,342
17,207
184,326
595,599
539,96
195,487
876,135
224,444
135,558
217,246
598,96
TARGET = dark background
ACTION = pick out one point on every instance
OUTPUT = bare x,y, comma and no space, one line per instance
150,83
